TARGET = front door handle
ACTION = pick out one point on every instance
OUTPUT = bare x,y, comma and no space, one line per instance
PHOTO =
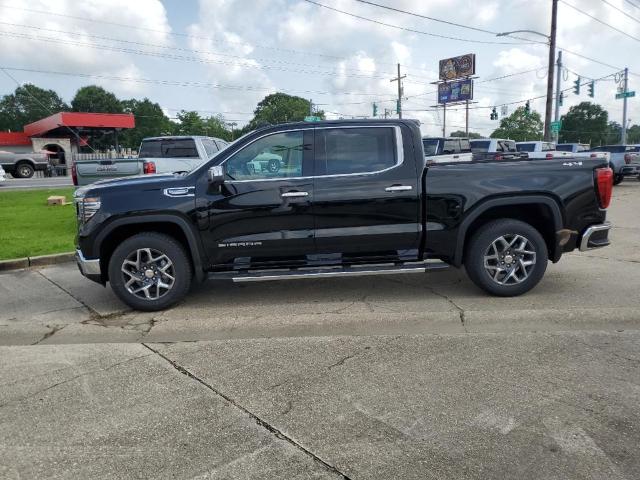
294,194
398,188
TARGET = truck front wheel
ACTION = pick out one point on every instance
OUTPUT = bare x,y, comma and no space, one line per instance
506,257
150,271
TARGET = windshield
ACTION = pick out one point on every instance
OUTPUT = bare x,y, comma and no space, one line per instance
430,147
480,146
526,147
169,148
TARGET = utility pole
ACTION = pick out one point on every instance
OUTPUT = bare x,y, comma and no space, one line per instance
623,137
444,119
552,57
310,107
399,80
556,115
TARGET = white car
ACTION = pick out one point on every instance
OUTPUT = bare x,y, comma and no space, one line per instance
539,150
3,176
446,150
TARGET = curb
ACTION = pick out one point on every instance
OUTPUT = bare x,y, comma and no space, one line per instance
38,261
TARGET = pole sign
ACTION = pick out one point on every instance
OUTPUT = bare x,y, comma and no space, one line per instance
555,126
458,67
456,91
625,95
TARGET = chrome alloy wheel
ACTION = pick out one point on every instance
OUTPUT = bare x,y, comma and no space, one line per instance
148,273
510,259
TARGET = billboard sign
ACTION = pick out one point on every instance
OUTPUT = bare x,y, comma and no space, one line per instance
458,67
457,91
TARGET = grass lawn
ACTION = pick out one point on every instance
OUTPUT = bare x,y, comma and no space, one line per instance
29,227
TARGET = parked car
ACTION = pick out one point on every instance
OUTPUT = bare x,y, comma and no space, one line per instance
156,155
624,160
356,200
495,149
23,165
539,150
581,150
3,176
446,150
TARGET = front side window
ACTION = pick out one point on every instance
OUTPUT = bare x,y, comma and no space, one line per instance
354,150
465,146
275,156
451,146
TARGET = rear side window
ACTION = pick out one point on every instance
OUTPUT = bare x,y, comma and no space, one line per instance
507,146
168,148
565,148
526,147
451,146
430,147
342,151
209,147
480,146
548,147
465,146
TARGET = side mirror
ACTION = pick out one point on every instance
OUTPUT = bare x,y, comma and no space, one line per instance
216,174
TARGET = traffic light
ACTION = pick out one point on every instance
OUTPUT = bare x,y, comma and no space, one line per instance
591,87
576,86
527,108
494,114
561,99
375,110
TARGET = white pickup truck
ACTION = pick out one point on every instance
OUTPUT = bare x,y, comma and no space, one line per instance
446,150
539,150
175,154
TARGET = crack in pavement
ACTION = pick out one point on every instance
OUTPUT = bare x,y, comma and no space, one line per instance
62,382
461,311
53,330
263,423
348,357
81,302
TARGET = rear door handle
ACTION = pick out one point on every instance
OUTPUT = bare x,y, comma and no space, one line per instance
294,194
398,188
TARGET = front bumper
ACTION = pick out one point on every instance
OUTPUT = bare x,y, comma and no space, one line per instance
632,169
89,268
595,236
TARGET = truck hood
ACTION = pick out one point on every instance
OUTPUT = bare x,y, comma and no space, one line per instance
137,181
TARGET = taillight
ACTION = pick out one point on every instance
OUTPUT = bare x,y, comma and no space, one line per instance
549,156
627,158
604,185
498,157
74,174
149,167
593,155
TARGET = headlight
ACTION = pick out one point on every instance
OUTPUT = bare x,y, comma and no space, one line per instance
87,208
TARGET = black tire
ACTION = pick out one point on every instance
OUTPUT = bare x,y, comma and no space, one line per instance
273,166
482,243
24,170
181,271
617,178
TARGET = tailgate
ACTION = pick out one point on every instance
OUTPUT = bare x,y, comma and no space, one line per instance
90,171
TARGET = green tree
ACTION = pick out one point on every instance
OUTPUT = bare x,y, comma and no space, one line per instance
520,126
585,122
95,99
27,104
633,134
613,134
150,122
279,108
462,133
191,123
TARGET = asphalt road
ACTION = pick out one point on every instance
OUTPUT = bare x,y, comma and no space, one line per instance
416,376
35,183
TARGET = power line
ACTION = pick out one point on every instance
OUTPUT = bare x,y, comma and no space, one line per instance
600,21
632,4
406,29
185,35
621,11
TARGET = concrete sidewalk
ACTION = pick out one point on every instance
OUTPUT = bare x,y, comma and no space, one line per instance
468,406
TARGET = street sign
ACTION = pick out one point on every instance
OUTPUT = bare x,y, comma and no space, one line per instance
458,91
312,118
555,126
625,95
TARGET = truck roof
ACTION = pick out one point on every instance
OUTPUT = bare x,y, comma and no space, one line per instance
178,137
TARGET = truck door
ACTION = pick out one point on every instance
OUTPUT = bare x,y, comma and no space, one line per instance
261,215
366,193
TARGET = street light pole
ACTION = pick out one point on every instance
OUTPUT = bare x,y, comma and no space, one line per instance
552,57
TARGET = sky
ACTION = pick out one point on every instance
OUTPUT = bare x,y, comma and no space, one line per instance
221,57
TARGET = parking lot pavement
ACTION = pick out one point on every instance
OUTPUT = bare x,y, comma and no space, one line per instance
464,406
595,290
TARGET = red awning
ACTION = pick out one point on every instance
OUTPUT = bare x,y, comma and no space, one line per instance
14,138
79,120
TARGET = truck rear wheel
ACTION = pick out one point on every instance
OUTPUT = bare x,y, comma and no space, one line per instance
150,271
506,257
24,170
617,178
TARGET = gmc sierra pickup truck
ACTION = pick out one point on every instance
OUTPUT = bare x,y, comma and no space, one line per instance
23,165
349,198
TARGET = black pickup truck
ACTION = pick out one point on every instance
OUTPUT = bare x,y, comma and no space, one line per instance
349,198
